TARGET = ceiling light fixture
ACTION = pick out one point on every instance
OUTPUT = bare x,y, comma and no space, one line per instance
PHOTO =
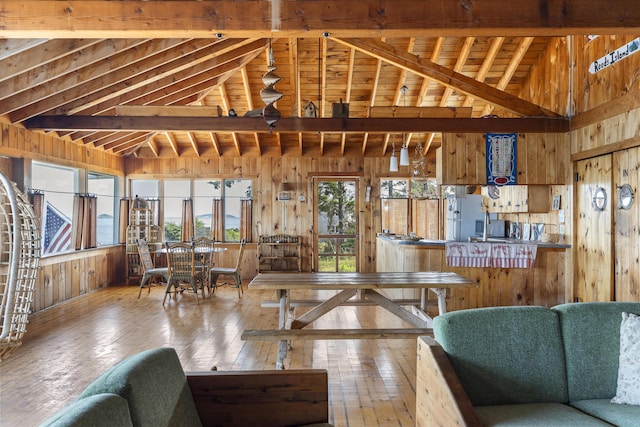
269,94
404,151
393,163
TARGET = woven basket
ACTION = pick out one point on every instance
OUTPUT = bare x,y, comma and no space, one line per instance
550,238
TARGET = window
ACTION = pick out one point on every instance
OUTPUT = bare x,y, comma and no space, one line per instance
145,188
221,207
175,191
410,206
58,185
235,191
104,187
204,192
394,205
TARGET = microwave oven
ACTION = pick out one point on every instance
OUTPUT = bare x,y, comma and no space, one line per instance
497,228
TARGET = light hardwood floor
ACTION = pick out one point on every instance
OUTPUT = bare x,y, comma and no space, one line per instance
371,382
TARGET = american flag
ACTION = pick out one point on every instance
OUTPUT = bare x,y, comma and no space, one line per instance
57,231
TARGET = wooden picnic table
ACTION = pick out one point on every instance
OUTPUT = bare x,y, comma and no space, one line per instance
352,289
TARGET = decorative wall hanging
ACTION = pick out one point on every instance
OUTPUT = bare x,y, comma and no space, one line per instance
501,158
269,94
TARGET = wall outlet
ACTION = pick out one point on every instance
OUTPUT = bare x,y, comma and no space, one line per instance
561,217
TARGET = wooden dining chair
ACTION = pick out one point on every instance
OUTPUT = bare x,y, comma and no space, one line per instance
150,270
233,273
182,270
204,257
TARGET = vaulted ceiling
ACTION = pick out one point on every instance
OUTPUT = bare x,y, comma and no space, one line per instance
161,78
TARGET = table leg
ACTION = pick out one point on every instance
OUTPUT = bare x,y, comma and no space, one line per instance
284,322
441,293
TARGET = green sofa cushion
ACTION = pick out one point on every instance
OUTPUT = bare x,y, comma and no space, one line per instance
505,355
99,410
536,415
614,413
155,386
591,336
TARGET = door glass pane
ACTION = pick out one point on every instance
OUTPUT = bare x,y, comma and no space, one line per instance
347,246
347,264
336,207
326,264
336,222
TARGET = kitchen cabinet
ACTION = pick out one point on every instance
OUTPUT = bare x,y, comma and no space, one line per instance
518,199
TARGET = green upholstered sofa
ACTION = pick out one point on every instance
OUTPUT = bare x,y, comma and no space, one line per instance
524,366
151,389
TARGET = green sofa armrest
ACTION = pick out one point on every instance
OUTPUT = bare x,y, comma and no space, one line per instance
271,398
98,410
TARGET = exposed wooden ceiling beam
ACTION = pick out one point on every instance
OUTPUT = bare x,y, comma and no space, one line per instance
297,124
511,68
447,77
208,18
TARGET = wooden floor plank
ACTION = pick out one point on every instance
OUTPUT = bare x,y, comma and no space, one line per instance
371,382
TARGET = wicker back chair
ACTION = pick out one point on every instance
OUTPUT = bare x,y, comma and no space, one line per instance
204,256
182,270
19,260
233,273
150,270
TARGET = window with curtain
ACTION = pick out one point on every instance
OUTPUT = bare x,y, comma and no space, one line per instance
175,191
204,191
104,187
219,208
58,185
235,191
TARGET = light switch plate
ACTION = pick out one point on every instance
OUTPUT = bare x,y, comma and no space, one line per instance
561,216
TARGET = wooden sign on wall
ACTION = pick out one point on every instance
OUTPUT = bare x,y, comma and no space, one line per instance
615,56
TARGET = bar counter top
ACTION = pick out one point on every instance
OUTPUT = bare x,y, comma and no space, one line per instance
401,240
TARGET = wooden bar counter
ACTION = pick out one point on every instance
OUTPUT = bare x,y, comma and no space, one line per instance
545,284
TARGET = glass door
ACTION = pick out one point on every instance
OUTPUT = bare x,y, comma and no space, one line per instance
336,238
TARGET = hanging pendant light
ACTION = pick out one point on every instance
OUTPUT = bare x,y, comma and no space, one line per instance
393,163
404,153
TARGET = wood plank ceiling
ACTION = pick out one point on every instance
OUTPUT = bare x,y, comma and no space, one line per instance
62,61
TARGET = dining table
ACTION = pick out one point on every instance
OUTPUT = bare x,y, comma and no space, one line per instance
351,289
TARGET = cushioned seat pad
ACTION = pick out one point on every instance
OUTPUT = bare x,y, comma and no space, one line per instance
536,415
614,413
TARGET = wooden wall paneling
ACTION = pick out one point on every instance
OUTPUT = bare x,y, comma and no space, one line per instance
522,286
609,83
627,228
540,143
594,252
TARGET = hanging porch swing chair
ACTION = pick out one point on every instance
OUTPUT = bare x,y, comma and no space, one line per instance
19,259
